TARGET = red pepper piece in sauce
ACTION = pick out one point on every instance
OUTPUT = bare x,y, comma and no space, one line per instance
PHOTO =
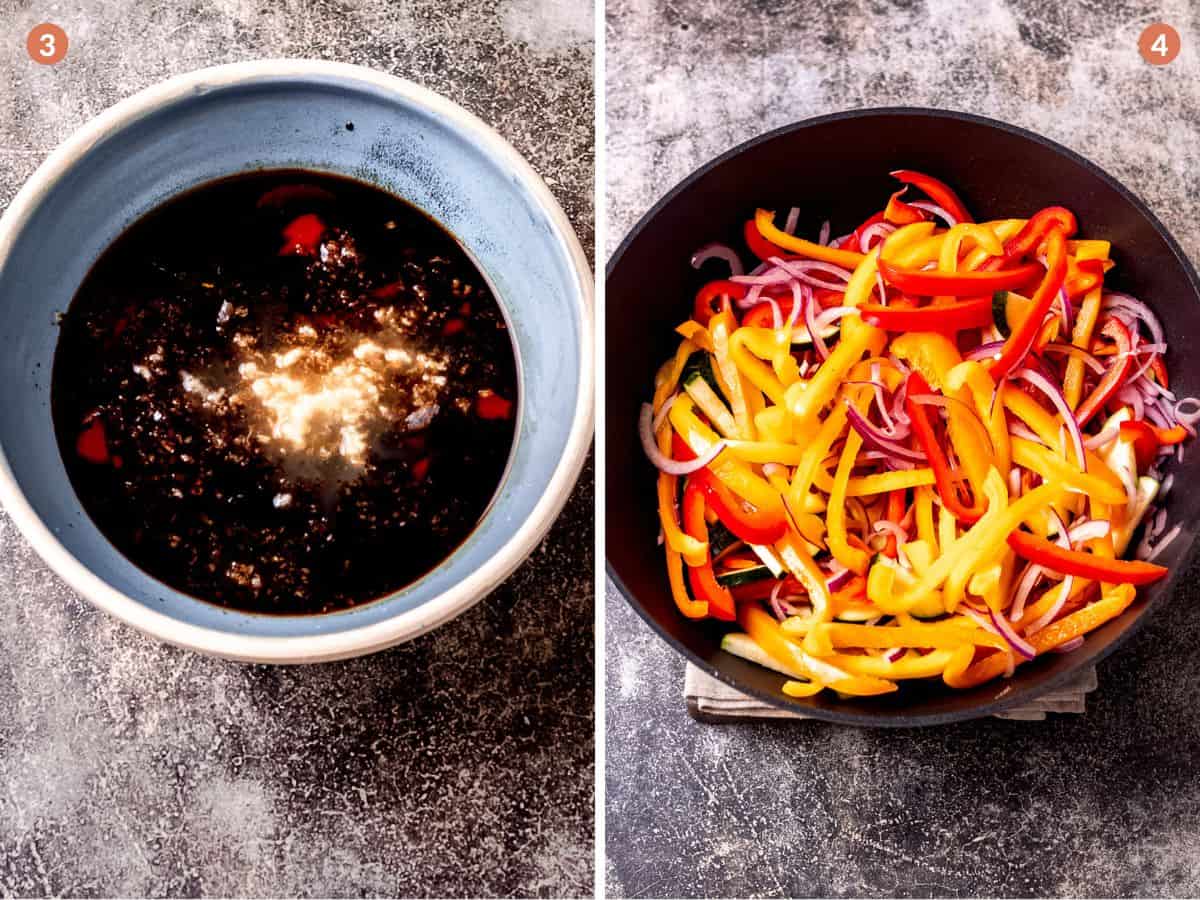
290,193
421,468
453,326
490,405
302,236
92,444
388,291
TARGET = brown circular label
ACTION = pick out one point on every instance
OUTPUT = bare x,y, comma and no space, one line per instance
47,44
1159,44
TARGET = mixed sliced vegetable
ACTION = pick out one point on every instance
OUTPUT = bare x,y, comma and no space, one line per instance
919,450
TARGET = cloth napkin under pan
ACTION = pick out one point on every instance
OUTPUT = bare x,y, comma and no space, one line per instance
710,700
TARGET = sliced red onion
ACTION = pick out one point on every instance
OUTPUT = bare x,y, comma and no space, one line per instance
889,424
718,251
665,463
1024,587
1089,530
1166,486
662,413
894,654
1064,591
793,217
936,210
1068,312
803,269
1137,309
1188,418
1067,646
1102,437
984,621
776,605
990,350
1014,483
823,237
1021,430
879,230
1056,397
874,439
1004,627
1130,395
1150,553
769,469
802,294
892,528
1092,363
839,580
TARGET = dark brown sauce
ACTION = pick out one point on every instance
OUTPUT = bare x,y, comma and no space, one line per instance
285,393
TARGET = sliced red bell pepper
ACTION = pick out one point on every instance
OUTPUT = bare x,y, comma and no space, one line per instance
753,527
1145,442
900,213
490,405
949,317
763,316
302,236
92,443
760,246
895,512
704,583
957,284
949,487
937,191
761,589
703,309
1159,370
1026,241
1085,565
1090,272
750,525
1114,377
1021,340
854,241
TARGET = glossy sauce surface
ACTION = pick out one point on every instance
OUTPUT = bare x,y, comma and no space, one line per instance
286,393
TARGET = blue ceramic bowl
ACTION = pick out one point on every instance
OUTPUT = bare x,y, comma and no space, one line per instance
293,114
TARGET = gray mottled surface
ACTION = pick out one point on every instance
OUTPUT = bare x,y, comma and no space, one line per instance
1107,804
460,764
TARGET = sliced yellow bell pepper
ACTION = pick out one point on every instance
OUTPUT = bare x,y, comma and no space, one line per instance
667,378
923,497
825,637
971,379
737,475
720,328
1098,481
799,562
984,539
807,398
697,334
879,483
746,345
980,236
1085,325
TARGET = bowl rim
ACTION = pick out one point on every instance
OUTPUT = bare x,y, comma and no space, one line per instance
475,585
867,718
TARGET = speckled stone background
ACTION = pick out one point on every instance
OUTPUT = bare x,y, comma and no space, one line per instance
460,764
1107,804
